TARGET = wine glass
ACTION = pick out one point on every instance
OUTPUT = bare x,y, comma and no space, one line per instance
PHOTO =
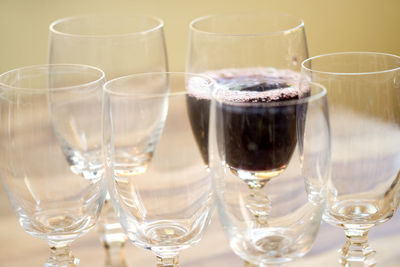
270,156
119,45
52,201
240,51
363,95
158,179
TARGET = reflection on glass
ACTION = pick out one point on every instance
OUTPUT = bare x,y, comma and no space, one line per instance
157,177
53,199
270,217
119,45
363,94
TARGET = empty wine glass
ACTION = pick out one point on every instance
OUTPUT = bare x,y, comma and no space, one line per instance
51,199
157,177
363,95
119,45
270,156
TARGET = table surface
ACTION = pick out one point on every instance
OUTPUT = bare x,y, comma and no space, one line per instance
18,248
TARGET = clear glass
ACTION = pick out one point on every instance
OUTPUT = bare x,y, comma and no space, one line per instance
271,162
157,177
259,42
53,199
119,45
363,95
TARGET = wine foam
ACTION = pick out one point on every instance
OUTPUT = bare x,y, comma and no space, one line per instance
233,85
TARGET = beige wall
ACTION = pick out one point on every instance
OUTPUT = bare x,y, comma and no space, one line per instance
331,25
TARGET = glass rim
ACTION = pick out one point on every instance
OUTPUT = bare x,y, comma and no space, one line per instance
160,24
210,82
52,89
304,100
348,73
192,25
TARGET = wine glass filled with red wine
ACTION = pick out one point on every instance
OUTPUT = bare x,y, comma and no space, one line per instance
245,53
256,59
249,54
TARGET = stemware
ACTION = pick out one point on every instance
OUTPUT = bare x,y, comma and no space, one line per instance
246,52
363,95
119,45
52,201
240,51
158,179
270,159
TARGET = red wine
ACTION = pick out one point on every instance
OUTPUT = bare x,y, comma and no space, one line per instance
199,113
256,138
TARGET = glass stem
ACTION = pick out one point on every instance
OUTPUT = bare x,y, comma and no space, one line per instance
115,254
169,261
356,252
112,236
61,256
258,203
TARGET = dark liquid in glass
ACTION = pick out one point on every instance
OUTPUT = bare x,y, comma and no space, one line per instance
257,138
199,113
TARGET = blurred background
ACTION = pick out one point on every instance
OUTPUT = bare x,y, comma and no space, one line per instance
331,26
